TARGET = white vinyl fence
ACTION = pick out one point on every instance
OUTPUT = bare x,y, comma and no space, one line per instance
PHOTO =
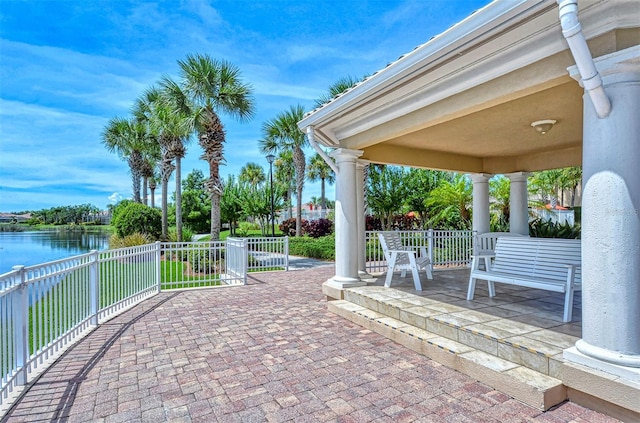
446,249
46,307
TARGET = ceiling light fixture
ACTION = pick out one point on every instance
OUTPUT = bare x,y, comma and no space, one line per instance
543,126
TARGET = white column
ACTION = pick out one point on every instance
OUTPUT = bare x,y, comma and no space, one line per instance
611,224
346,216
518,203
480,219
361,212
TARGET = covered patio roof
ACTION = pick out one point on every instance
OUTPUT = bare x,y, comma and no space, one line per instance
465,100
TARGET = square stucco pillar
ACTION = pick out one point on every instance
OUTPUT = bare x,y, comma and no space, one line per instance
518,203
346,220
611,223
481,219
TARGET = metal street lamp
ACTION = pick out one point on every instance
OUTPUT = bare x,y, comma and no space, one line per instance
270,159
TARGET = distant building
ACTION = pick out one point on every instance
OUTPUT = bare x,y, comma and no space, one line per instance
14,218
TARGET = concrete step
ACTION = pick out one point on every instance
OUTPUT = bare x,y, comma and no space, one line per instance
527,345
525,384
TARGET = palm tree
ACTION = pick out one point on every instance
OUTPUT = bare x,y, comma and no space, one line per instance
153,180
337,88
452,203
177,122
284,174
252,174
129,139
171,128
214,86
571,178
546,184
318,169
282,133
151,158
499,189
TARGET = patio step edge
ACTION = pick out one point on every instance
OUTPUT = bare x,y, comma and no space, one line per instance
533,388
534,354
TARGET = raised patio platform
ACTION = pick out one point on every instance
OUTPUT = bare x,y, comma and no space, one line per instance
512,342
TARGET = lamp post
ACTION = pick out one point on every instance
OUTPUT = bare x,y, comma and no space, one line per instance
270,159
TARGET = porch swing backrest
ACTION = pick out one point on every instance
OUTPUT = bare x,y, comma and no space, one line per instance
537,258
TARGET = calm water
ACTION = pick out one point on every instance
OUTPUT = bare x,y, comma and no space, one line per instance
29,248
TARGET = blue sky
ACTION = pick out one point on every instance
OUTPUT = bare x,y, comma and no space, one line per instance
68,66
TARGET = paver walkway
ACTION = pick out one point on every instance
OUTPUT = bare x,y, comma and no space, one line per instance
268,351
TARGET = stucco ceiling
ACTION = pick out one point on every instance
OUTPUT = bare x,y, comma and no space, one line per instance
505,130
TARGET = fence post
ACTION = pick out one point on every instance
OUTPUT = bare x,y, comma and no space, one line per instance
21,328
245,259
286,253
94,287
157,263
430,246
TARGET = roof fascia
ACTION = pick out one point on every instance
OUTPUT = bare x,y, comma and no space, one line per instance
472,30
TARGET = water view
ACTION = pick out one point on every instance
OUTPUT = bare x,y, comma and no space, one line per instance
29,248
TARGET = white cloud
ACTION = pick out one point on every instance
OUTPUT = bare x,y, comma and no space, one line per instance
209,15
114,198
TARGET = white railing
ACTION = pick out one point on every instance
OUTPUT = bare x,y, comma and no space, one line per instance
446,249
237,259
266,254
46,307
192,264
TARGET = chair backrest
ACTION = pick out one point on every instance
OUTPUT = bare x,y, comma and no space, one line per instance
543,258
486,242
391,241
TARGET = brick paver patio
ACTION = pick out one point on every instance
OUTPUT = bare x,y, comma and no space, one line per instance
268,351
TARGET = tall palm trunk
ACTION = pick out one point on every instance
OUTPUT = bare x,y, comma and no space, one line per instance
300,165
178,199
134,165
152,188
215,191
212,142
165,173
145,199
178,152
164,206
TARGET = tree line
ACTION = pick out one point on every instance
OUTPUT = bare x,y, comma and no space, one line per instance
153,140
420,198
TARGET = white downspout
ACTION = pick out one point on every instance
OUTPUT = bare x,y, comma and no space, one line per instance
323,154
591,80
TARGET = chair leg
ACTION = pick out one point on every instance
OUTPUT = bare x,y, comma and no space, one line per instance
414,272
492,289
390,266
472,289
568,305
427,270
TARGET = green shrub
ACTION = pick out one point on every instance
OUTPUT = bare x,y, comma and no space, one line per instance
244,228
135,217
539,228
129,241
187,234
323,248
205,261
